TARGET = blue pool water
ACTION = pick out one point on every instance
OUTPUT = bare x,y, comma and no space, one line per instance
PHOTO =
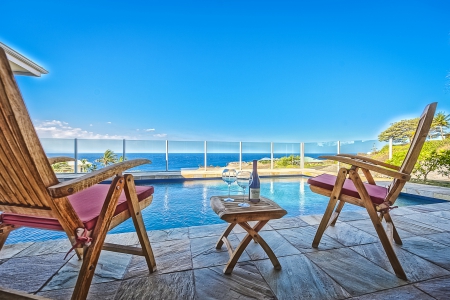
184,204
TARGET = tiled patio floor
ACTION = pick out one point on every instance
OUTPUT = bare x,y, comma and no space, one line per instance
350,262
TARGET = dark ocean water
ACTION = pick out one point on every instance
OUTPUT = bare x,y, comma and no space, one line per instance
179,161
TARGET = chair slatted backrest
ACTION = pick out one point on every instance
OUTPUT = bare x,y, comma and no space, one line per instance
25,172
422,130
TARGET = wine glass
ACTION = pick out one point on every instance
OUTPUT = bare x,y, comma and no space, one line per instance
229,176
244,179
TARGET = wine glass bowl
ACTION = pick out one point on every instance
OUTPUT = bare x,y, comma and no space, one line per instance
229,176
244,179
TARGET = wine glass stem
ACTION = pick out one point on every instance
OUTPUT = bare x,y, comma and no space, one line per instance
229,190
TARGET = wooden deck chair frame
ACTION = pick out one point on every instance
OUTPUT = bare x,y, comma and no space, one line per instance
376,212
28,186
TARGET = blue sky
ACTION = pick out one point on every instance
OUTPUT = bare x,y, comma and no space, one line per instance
281,71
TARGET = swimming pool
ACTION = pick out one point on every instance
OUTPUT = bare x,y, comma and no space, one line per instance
186,203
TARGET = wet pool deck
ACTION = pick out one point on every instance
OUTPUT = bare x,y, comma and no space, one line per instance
349,262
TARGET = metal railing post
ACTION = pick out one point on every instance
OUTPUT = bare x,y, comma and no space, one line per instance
302,155
240,155
75,165
390,148
123,150
167,155
338,152
271,155
206,151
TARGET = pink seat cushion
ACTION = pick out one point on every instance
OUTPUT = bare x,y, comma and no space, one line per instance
377,193
87,204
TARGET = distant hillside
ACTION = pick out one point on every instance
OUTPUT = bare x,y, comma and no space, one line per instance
399,151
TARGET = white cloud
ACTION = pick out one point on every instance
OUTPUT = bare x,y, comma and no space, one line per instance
160,135
108,122
90,125
59,129
150,129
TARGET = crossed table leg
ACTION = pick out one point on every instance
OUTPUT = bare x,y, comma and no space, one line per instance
252,233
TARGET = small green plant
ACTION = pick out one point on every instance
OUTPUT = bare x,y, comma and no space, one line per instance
434,162
62,167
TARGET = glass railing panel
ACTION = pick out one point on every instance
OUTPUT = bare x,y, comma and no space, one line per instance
92,153
254,150
153,150
286,155
186,155
223,154
314,150
368,147
60,147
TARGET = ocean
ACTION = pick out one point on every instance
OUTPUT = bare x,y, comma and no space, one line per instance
183,161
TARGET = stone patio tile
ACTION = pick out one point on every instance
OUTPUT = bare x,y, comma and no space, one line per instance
312,219
348,235
111,266
426,208
439,288
127,238
416,268
208,230
41,248
441,214
404,210
443,237
346,216
299,279
28,273
239,229
356,274
177,285
245,282
287,223
103,291
10,250
408,292
428,249
431,220
367,226
279,245
415,227
205,254
157,236
170,256
302,238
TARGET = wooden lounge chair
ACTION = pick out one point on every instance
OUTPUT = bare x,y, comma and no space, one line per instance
32,196
347,187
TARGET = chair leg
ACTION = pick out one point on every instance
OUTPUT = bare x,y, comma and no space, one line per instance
136,215
378,226
337,212
395,234
342,174
92,254
5,230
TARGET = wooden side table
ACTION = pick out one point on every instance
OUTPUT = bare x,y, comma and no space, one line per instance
230,212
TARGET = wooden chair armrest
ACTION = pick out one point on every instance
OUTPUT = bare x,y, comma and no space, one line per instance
58,159
371,160
72,186
368,166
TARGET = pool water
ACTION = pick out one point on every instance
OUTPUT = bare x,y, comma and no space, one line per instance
184,204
